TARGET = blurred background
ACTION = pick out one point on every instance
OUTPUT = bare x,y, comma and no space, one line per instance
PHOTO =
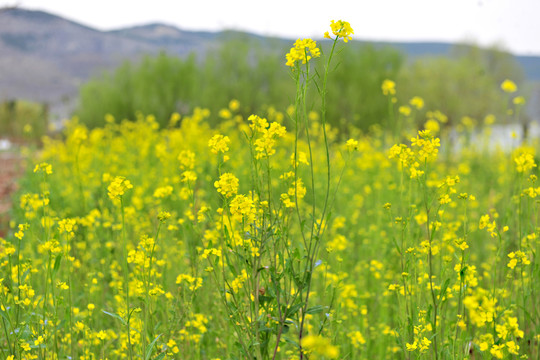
63,58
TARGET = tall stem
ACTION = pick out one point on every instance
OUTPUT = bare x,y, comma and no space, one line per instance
126,277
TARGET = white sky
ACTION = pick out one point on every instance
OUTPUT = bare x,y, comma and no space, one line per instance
513,24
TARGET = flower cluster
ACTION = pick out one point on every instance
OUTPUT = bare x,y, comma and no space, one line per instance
219,143
303,50
388,87
341,29
524,162
227,185
118,187
265,144
242,209
508,86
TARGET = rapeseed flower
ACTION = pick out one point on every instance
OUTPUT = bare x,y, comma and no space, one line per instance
388,87
417,102
340,29
319,346
219,143
524,162
227,185
242,209
508,86
44,167
519,100
118,187
303,50
352,145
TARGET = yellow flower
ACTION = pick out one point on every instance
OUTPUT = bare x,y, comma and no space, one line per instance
242,208
404,110
44,168
174,119
22,228
417,102
66,226
62,285
189,176
219,143
519,100
234,105
118,187
287,201
489,119
102,335
163,192
513,348
524,162
352,145
193,282
227,185
412,347
341,29
484,221
38,341
429,145
163,216
356,338
225,113
508,86
388,87
496,351
187,159
424,344
432,126
303,50
320,347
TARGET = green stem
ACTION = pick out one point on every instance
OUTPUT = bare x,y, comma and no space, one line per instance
126,277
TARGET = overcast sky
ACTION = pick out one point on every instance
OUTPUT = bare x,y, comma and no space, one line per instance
513,24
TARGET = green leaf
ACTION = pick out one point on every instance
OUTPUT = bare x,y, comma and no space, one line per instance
462,272
4,315
443,290
291,341
151,348
160,356
315,309
293,309
264,298
115,316
57,262
396,245
25,274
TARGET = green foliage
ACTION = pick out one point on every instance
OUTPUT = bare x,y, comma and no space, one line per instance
245,70
23,119
250,71
354,93
466,84
159,85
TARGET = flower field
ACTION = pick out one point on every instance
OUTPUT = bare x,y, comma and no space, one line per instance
275,237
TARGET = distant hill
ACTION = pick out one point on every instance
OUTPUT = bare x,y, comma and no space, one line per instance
45,58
